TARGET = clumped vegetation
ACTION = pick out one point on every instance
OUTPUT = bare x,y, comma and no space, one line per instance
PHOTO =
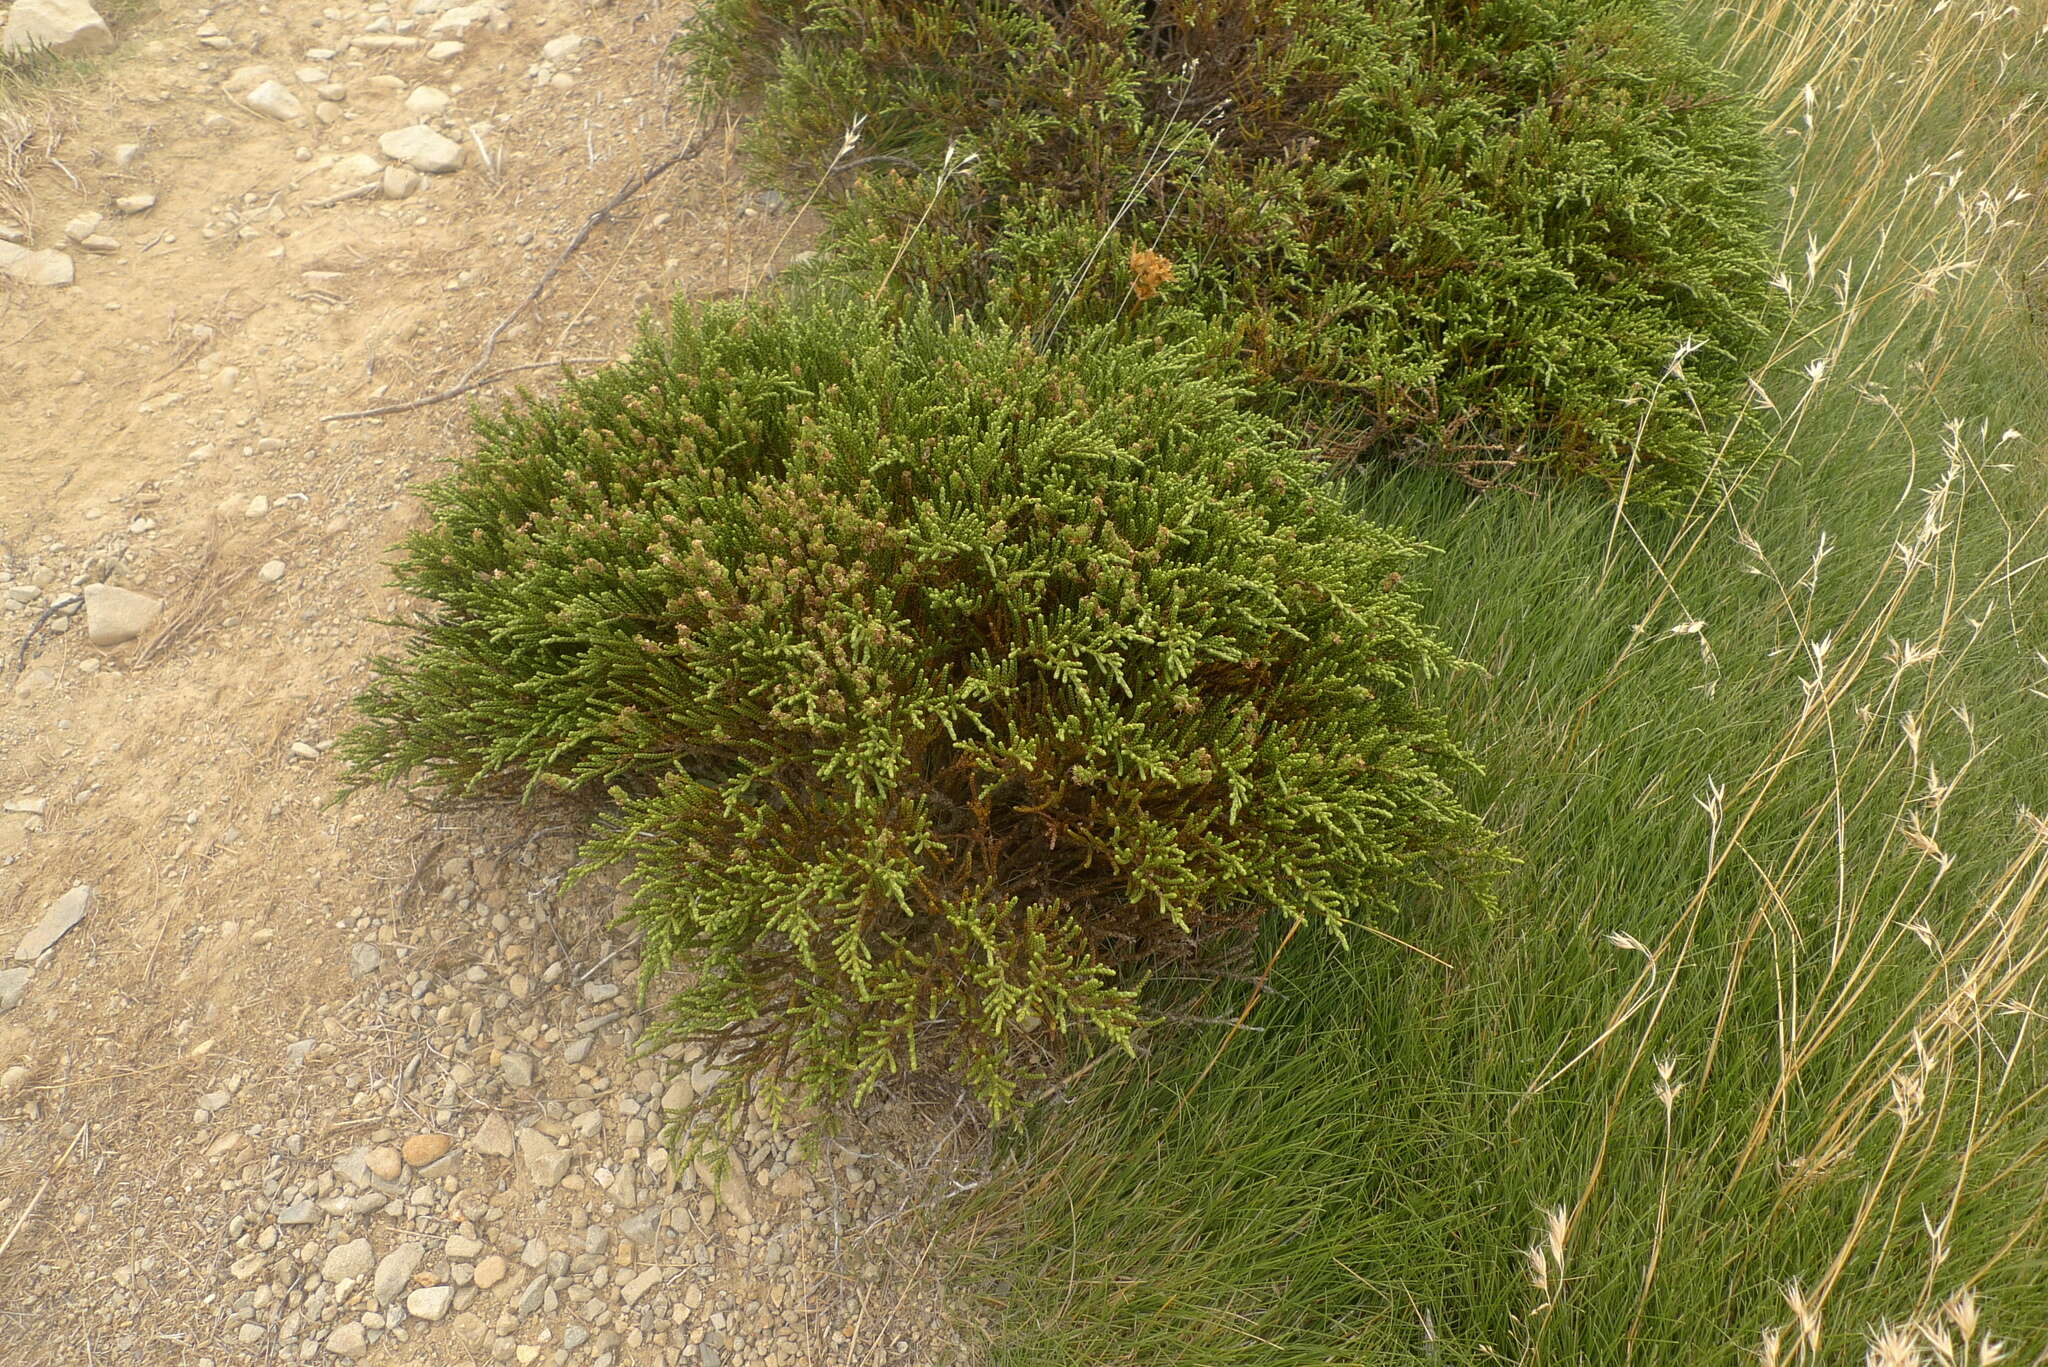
940,686
1748,1069
1500,238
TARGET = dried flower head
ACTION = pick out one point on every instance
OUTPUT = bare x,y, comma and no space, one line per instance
1149,270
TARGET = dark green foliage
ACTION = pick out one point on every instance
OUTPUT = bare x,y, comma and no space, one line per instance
1473,234
939,685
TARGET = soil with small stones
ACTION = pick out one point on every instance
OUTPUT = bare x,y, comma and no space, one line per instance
309,1083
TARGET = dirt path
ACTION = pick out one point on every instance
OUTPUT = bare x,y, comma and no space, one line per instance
206,1082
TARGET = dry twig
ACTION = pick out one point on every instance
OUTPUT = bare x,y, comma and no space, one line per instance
470,379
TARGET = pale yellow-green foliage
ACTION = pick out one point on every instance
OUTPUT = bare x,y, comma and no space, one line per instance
1911,236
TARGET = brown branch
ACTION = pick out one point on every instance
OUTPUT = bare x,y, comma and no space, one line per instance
459,390
470,378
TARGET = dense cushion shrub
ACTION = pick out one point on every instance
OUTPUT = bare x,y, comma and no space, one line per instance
1473,233
939,685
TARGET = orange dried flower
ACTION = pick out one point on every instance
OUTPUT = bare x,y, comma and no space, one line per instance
1150,270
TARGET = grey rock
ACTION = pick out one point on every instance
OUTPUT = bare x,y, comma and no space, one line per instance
421,148
135,204
427,102
493,1137
517,1069
82,227
52,268
641,1285
395,1270
531,1298
272,100
546,1163
13,983
399,182
459,20
114,616
364,959
244,79
349,1341
70,28
64,913
299,1212
351,1261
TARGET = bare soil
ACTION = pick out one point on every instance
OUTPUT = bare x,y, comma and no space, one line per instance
165,427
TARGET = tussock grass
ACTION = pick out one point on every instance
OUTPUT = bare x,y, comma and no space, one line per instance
1749,1065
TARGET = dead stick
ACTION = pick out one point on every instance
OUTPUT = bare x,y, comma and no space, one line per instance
459,390
30,1208
597,216
370,189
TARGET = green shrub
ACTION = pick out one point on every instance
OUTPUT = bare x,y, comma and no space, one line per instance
1473,234
939,685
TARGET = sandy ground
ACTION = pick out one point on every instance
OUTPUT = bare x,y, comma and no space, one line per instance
268,993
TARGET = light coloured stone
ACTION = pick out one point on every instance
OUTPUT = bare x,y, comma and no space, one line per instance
115,616
394,1272
135,204
82,227
430,1303
272,571
427,102
244,79
352,170
546,1163
400,182
490,1272
66,28
458,21
50,268
349,1341
641,1285
273,100
349,1262
421,148
13,983
64,913
493,1137
446,51
731,1186
562,48
384,1163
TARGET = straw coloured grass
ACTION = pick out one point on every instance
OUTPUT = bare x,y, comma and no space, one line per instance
1748,1066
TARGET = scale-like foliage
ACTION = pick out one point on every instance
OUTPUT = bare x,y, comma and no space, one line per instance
1469,233
939,685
